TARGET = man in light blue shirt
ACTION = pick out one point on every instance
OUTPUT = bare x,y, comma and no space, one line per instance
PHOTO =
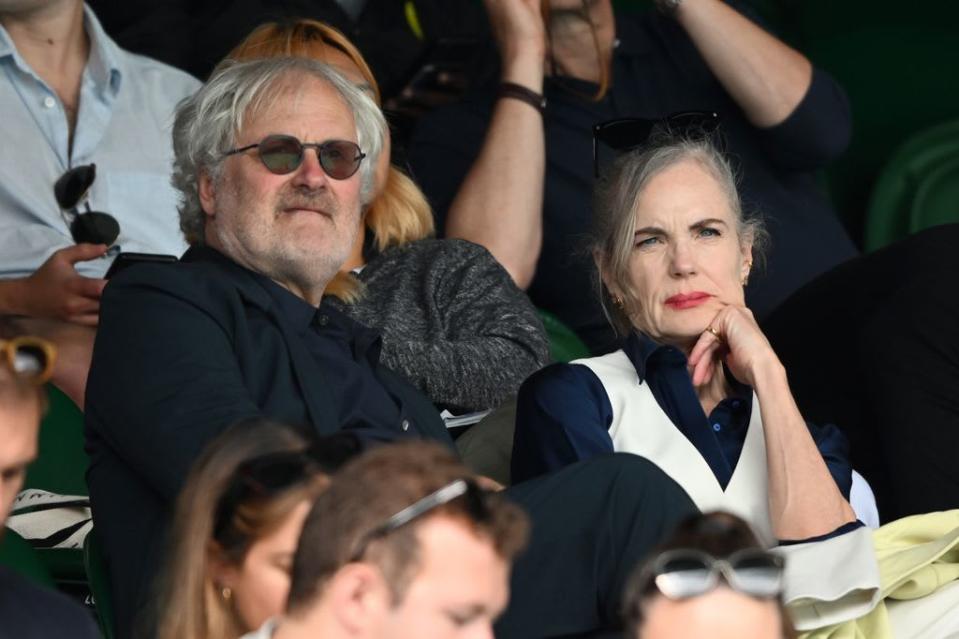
69,97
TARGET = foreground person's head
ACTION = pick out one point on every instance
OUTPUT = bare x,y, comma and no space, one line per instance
671,243
251,190
25,364
403,544
710,579
235,529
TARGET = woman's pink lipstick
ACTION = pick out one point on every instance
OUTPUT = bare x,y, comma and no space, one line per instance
687,300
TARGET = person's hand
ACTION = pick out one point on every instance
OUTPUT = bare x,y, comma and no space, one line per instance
733,337
57,291
518,28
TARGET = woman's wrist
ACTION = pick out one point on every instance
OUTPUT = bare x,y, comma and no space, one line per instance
770,375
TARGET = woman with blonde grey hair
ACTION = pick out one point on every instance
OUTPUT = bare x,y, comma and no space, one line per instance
696,388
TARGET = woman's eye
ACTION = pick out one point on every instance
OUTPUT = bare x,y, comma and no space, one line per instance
647,242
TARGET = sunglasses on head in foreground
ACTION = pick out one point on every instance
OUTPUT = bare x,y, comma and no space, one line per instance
685,573
92,227
626,134
29,358
460,488
283,154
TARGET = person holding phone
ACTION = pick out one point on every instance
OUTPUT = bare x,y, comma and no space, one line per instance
60,161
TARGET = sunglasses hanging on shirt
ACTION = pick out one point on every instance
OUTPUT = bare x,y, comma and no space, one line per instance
89,227
615,137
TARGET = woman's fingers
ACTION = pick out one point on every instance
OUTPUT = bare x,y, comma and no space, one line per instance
707,362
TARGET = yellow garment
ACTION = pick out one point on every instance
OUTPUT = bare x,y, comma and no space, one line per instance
916,555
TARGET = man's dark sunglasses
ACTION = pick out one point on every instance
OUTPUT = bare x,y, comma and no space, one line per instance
466,489
91,227
283,154
626,134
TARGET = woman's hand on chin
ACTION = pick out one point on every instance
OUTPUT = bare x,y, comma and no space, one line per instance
734,337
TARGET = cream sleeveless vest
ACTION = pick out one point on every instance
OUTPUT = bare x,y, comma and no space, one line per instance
641,427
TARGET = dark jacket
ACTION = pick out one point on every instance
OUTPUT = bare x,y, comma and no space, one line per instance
182,352
30,612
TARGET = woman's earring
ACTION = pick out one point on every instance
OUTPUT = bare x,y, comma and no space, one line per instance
749,267
227,593
618,301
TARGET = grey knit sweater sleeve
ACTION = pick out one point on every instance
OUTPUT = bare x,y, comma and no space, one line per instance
452,322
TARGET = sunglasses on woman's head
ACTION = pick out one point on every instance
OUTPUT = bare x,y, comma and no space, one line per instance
91,227
685,573
269,475
29,358
466,489
626,134
282,154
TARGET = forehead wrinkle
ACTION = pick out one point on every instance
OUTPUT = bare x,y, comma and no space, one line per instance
290,86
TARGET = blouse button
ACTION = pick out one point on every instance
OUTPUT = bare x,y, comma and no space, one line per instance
717,427
405,424
49,102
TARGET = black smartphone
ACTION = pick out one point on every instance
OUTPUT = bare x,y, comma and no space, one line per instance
124,260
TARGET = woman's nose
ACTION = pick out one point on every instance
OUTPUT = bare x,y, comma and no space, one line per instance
682,260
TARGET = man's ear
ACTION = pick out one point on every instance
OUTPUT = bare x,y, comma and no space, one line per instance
207,191
358,597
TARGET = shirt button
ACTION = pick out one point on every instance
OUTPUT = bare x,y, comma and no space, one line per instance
49,102
323,320
405,424
736,403
717,427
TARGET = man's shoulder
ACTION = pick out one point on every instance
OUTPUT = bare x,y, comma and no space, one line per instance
30,611
202,276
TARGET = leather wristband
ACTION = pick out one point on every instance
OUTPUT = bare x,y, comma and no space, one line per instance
521,93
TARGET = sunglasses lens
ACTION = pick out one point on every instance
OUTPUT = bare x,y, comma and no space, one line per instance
757,574
281,154
30,361
683,576
624,134
70,188
340,158
95,228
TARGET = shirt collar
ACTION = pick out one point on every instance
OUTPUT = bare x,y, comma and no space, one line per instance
103,66
647,354
639,348
365,341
